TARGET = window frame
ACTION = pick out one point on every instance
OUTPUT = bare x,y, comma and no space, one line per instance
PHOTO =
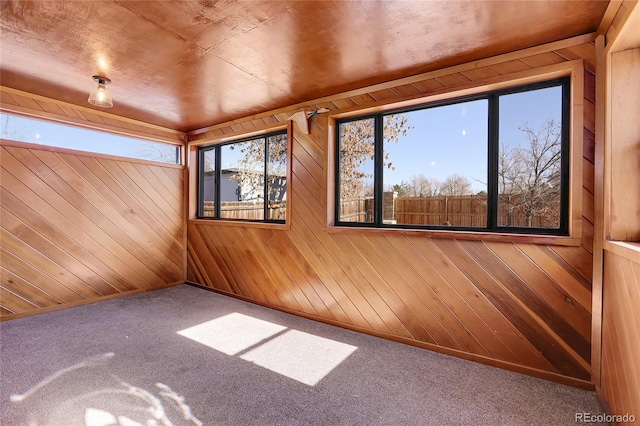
82,131
217,148
493,115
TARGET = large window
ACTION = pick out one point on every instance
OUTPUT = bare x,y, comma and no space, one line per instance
493,162
244,179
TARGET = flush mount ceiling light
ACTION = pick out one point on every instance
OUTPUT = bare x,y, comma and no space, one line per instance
100,96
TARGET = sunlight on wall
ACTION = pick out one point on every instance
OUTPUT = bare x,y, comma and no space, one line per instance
300,356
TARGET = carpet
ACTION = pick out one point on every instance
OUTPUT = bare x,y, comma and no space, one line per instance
187,356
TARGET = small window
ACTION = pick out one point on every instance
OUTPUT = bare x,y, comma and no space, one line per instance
30,130
492,162
244,179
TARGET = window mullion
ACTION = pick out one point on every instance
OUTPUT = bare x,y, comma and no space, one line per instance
218,182
201,182
564,158
266,179
337,194
493,162
378,170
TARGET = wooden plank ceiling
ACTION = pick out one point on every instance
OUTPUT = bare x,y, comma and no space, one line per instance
190,64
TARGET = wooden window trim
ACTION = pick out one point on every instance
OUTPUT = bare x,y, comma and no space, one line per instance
556,240
240,223
50,148
573,69
193,180
628,250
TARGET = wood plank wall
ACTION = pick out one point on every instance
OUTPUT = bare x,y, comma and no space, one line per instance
619,133
620,385
77,228
522,304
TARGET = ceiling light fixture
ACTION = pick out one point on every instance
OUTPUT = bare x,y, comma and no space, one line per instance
100,96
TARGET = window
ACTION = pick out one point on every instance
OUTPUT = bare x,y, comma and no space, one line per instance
492,162
244,179
23,129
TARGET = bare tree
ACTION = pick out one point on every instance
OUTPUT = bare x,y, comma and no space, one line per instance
11,129
529,174
251,173
357,148
422,186
455,185
157,151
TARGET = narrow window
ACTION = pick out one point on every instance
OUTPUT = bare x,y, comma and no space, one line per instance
30,130
277,160
208,183
530,159
356,171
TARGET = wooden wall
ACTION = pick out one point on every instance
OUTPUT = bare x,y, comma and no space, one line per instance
77,227
522,303
618,291
620,385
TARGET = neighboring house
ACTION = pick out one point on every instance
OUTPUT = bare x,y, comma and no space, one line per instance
233,189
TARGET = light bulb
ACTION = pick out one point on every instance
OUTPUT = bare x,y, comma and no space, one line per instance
101,92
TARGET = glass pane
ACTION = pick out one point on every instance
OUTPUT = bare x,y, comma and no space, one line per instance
435,166
242,180
209,183
356,167
22,129
277,177
529,165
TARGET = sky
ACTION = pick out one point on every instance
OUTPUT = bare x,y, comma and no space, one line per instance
453,139
54,134
442,141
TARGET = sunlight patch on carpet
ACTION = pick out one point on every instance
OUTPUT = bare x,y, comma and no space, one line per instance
232,333
297,355
300,356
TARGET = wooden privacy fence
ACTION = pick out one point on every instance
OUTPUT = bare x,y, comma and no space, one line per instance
357,210
459,211
247,210
468,211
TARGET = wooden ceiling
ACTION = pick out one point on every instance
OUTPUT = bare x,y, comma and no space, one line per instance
190,64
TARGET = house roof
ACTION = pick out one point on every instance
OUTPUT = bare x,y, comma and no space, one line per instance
190,64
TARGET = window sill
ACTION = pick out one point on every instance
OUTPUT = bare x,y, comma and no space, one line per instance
628,250
553,240
240,224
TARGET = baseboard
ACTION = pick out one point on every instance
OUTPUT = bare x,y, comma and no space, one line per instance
541,374
87,301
